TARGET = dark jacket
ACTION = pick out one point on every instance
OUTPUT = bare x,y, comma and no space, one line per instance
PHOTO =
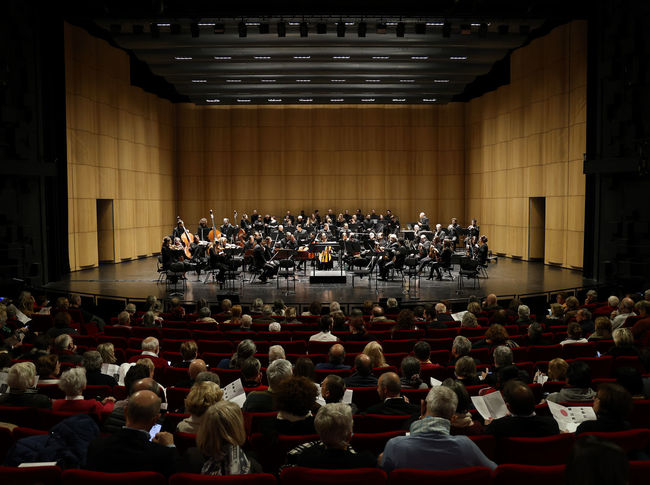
28,398
523,426
96,378
357,380
394,406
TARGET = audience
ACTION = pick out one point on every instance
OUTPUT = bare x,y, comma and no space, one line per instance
92,361
391,402
410,369
602,329
362,376
150,349
189,351
325,334
574,334
462,421
336,356
21,380
623,344
612,406
48,369
198,400
265,401
276,352
578,385
595,461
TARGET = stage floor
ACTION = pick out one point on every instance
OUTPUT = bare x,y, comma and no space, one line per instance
137,279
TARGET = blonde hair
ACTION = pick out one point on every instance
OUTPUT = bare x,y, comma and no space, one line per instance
107,351
202,396
375,351
222,424
557,369
148,363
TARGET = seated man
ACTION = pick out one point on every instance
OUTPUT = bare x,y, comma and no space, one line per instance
196,367
333,424
150,348
276,352
333,389
429,445
129,449
522,421
262,401
251,377
189,351
335,361
65,348
422,352
392,402
578,385
363,376
325,334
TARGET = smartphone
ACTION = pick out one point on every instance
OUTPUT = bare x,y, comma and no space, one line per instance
155,429
598,354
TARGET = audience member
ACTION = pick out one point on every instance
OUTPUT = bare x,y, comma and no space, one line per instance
65,348
305,367
410,368
73,383
462,422
189,351
623,343
375,351
362,376
92,361
48,369
578,385
107,351
574,334
460,347
250,371
21,380
198,400
333,389
602,329
612,406
325,334
150,349
391,402
294,397
263,401
584,318
276,352
595,461
625,310
195,368
465,372
336,356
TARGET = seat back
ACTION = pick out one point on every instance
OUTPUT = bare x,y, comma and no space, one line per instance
551,450
379,423
528,474
300,476
364,397
629,440
40,475
19,415
461,476
84,477
195,479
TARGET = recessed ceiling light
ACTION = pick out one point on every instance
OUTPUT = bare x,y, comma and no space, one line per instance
340,57
233,80
436,24
306,100
294,23
441,80
337,80
302,57
212,100
303,80
429,100
183,58
199,80
261,57
399,100
274,100
458,58
381,57
163,25
252,23
222,58
419,58
367,100
336,100
243,100
372,80
407,80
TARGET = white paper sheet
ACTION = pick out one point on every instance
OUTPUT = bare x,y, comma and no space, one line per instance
435,382
235,392
569,417
458,317
490,406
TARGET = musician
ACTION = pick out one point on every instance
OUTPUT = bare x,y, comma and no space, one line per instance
326,232
359,215
340,220
347,216
424,221
179,229
316,216
452,231
416,230
245,223
325,257
289,242
399,254
473,229
218,259
482,253
368,222
290,217
272,225
427,252
203,230
262,259
300,233
331,215
227,229
373,214
254,216
250,243
444,260
439,232
300,221
172,254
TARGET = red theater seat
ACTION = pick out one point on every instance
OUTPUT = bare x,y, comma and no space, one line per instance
528,475
463,476
315,476
551,450
194,479
630,440
84,477
42,475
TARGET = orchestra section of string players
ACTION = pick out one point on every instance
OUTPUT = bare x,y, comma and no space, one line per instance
259,243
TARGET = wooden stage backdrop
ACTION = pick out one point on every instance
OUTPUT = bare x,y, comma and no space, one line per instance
483,159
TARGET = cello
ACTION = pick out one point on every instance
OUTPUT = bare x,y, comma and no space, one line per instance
186,239
214,233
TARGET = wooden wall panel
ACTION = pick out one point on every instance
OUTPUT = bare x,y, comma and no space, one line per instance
533,148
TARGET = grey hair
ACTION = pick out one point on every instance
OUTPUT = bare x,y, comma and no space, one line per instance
613,301
63,341
333,423
502,356
391,303
440,308
130,308
73,381
92,361
442,402
150,344
149,319
462,345
274,327
246,348
21,375
622,336
585,313
335,307
523,311
246,321
277,371
594,293
204,312
207,376
124,317
469,320
276,352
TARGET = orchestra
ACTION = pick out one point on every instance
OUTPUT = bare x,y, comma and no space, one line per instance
257,240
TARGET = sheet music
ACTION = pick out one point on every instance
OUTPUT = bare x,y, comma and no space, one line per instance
235,392
569,417
491,405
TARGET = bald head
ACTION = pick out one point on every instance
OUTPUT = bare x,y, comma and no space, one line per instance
491,299
389,385
363,364
142,410
336,354
196,367
146,384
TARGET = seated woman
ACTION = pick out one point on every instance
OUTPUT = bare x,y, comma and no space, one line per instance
48,368
602,329
295,398
375,351
200,398
495,336
465,371
72,383
461,421
358,331
574,335
21,380
411,374
578,385
612,406
623,344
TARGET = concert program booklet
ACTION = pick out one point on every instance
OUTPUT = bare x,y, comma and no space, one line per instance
235,392
347,396
491,405
569,417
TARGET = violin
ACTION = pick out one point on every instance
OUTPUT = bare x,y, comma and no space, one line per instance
186,239
214,233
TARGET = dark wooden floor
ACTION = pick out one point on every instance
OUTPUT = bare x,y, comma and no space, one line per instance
137,279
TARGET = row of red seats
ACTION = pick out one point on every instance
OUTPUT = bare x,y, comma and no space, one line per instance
502,475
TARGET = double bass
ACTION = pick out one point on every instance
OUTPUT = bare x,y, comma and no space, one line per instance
214,233
186,239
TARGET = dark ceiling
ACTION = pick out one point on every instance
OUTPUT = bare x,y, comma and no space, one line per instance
320,54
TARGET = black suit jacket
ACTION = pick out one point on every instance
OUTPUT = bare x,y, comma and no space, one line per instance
523,427
129,450
394,406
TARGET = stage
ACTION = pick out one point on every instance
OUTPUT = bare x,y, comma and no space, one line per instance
137,279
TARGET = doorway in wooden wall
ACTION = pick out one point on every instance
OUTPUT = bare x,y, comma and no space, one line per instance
105,231
536,228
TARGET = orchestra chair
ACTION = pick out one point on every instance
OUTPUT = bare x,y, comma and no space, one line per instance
286,270
366,271
84,477
411,273
469,270
160,269
550,450
446,269
196,479
528,474
38,475
460,476
315,476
